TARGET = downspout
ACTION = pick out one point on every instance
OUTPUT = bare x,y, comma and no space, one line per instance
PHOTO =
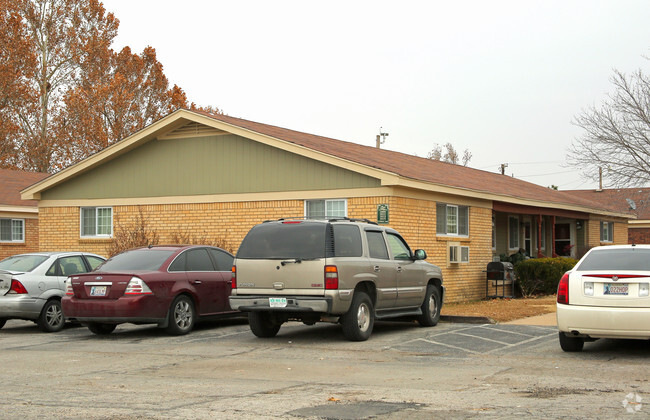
539,236
553,254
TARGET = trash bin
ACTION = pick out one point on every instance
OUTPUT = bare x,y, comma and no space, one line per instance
500,278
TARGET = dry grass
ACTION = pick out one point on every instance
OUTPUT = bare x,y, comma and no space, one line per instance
503,310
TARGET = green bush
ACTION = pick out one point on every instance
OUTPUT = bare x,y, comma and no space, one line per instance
541,275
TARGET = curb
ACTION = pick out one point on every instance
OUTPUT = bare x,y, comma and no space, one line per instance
460,319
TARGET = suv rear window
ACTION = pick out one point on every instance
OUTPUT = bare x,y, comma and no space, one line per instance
302,240
616,259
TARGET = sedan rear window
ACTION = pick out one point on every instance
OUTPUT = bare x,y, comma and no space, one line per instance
23,263
137,260
636,259
284,240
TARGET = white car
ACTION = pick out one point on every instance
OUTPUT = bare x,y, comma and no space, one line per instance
605,296
31,285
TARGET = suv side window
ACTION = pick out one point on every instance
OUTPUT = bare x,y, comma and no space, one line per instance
199,260
398,247
376,245
347,241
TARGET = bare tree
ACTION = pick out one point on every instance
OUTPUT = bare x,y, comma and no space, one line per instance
449,155
617,134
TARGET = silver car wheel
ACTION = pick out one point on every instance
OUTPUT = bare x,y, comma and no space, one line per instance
183,314
433,306
54,315
363,317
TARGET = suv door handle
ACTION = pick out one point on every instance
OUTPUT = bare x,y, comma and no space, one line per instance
377,269
195,281
399,269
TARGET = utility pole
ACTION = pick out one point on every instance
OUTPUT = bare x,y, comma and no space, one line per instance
503,168
381,138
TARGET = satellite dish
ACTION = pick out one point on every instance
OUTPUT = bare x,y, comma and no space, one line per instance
631,203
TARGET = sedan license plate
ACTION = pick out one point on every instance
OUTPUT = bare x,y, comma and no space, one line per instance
98,290
278,302
616,289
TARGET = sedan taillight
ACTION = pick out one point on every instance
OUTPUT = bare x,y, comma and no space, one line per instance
563,290
137,287
68,287
16,288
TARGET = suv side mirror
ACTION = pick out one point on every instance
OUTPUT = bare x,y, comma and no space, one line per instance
420,254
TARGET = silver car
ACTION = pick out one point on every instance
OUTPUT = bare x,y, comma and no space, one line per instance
31,285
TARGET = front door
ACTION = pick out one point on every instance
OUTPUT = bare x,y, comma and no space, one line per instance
563,239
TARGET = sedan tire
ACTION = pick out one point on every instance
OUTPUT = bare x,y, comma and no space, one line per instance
51,318
101,329
181,316
571,344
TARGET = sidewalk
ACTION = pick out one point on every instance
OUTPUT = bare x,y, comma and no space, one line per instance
543,320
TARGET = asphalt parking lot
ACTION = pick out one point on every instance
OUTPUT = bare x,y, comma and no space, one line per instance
404,371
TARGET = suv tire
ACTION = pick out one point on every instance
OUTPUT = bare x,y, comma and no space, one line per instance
430,307
570,344
262,324
359,320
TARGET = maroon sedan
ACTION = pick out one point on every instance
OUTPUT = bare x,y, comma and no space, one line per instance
166,285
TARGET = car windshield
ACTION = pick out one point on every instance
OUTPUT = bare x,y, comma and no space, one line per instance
137,260
24,263
301,240
637,259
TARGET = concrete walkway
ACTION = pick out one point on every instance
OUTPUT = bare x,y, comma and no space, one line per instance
545,320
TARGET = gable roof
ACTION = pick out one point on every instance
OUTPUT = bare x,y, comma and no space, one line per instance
393,168
616,199
12,182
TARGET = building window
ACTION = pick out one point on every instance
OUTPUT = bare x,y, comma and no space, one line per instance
12,230
325,209
97,221
606,231
513,232
452,220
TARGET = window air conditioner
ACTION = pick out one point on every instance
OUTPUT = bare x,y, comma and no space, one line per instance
458,254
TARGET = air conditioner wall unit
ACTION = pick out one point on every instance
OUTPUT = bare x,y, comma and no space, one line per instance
458,254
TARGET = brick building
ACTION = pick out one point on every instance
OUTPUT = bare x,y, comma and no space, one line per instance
216,176
18,218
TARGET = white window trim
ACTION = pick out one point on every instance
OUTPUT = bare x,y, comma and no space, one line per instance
510,247
610,230
12,241
81,230
345,205
452,206
454,235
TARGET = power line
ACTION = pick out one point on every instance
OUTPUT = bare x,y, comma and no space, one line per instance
550,173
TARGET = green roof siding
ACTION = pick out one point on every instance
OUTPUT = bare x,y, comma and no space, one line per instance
226,164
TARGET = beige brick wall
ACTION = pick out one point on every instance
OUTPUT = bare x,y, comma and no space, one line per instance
413,218
593,233
8,249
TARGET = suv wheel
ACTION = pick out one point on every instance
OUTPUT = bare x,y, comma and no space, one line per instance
358,321
262,325
430,307
570,344
51,318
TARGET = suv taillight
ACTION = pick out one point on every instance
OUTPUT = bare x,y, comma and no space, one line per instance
17,288
137,287
68,287
563,290
331,277
233,277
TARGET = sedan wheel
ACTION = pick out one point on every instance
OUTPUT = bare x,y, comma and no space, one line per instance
51,318
181,316
101,329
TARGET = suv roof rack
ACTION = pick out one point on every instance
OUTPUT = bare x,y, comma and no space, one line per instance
330,219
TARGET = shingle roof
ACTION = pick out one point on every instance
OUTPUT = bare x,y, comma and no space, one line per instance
616,199
12,182
414,167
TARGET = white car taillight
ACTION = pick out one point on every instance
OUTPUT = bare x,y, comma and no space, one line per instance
589,288
137,287
68,287
643,289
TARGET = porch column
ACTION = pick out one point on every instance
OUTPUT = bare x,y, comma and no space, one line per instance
553,254
539,236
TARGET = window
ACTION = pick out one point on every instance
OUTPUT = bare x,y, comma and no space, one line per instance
199,260
543,237
347,241
325,209
67,266
223,259
607,231
12,230
452,220
376,245
513,232
97,221
398,248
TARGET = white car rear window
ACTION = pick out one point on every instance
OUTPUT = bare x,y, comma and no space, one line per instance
636,259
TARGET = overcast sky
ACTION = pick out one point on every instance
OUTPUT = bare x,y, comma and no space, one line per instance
503,79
